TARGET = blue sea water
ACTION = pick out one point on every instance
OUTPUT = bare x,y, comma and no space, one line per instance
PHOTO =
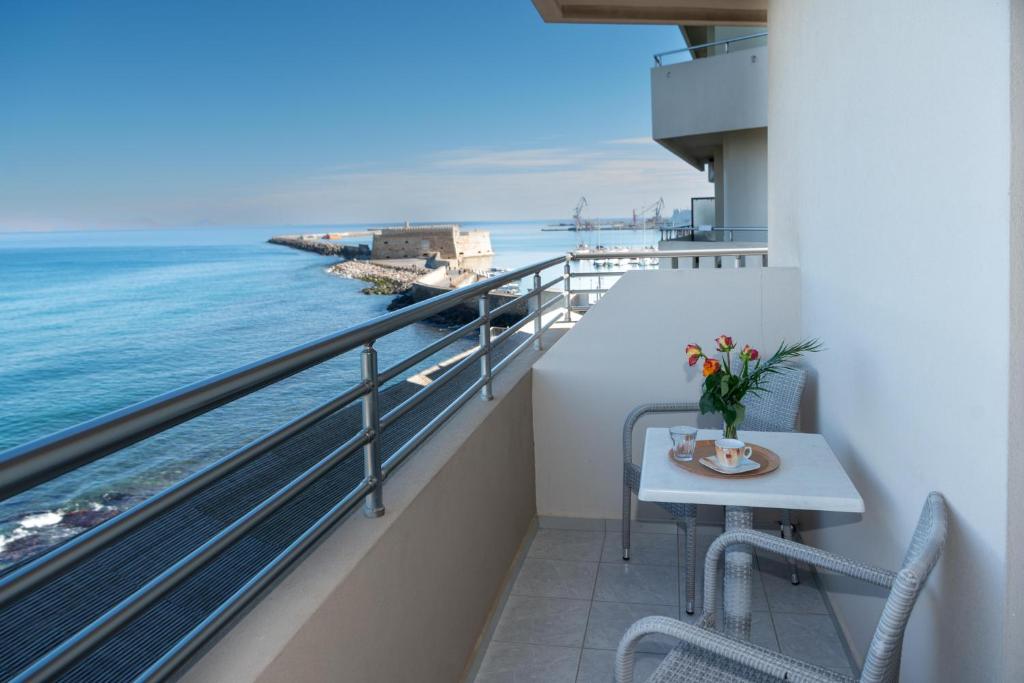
93,321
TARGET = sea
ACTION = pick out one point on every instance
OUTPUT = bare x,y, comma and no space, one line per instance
94,321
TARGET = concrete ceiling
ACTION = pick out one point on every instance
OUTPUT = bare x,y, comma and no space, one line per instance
690,12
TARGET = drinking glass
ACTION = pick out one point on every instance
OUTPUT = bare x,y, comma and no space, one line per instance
684,441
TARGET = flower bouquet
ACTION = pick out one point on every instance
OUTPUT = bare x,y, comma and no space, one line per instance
728,381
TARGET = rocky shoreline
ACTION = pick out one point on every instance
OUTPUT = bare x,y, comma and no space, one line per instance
384,279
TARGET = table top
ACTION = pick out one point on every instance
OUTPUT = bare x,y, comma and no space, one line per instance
809,476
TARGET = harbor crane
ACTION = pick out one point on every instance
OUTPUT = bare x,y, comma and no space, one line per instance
656,208
577,214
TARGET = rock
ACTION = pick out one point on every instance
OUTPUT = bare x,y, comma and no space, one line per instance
384,278
85,519
23,548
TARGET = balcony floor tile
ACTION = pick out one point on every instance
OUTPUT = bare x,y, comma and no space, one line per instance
643,548
598,666
543,621
517,663
625,582
563,544
555,579
609,620
566,612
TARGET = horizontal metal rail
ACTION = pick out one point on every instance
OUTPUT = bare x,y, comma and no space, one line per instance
512,303
421,395
598,273
204,630
529,317
658,58
72,649
712,229
419,437
34,463
600,290
62,557
524,345
670,253
428,351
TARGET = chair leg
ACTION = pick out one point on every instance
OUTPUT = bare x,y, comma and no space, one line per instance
786,531
627,496
690,551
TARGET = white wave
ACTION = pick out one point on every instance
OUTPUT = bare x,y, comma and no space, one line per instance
41,520
13,536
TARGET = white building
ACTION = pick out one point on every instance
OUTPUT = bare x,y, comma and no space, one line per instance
844,132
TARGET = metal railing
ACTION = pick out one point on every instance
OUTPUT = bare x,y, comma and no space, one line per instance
27,466
582,298
727,233
659,58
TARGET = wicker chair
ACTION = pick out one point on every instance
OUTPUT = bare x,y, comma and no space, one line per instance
775,410
705,655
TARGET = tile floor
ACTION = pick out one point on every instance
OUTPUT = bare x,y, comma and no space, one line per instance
573,597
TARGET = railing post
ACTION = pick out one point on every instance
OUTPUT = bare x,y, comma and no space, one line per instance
485,344
567,276
374,503
537,344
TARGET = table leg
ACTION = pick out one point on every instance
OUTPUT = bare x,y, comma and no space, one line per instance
739,562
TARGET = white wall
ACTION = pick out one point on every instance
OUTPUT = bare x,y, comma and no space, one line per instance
744,168
628,350
868,196
1014,631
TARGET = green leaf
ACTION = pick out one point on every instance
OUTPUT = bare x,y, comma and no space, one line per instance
729,415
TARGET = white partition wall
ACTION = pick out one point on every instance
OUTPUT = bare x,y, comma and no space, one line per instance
628,350
867,193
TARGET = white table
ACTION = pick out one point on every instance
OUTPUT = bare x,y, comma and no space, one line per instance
809,478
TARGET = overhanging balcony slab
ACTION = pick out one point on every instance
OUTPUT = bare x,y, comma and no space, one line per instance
691,12
693,103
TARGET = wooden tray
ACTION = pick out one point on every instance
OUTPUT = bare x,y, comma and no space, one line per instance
768,460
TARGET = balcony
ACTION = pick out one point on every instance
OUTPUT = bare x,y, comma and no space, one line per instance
487,548
695,103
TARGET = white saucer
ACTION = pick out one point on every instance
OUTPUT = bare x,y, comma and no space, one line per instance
746,465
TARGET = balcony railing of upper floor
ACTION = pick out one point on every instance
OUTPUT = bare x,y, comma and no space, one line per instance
659,59
220,536
598,282
751,233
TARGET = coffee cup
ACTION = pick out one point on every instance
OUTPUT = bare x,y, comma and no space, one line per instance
731,452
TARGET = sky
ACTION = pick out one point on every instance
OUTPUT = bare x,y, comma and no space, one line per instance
127,114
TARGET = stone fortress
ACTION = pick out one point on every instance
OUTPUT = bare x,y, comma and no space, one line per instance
416,262
447,242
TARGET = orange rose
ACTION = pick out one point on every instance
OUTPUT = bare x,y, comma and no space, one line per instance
711,366
693,353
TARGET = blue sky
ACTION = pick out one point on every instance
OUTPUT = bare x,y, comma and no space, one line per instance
138,114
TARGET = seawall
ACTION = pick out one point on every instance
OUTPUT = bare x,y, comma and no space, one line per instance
323,247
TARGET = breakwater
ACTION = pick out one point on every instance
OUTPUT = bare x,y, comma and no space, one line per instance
384,278
323,247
